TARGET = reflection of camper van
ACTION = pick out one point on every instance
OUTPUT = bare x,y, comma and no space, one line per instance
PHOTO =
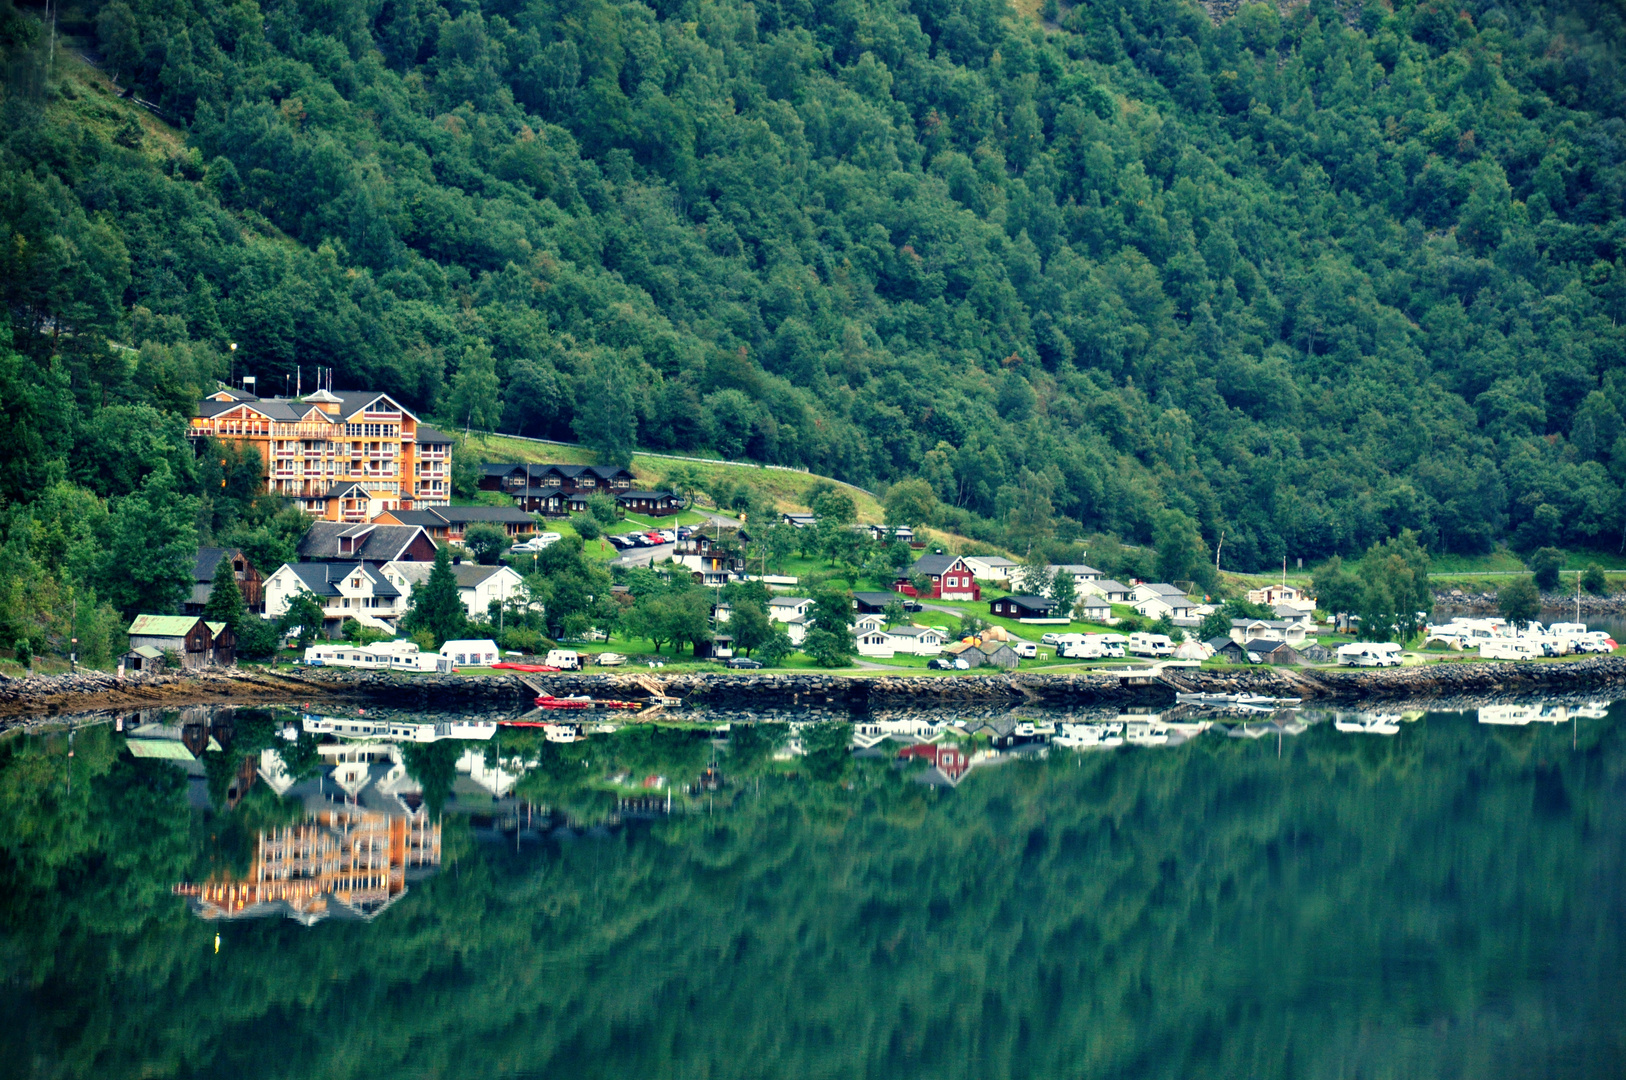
1150,645
1369,654
1510,649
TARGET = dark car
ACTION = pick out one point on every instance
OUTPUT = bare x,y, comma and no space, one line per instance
913,606
940,663
744,663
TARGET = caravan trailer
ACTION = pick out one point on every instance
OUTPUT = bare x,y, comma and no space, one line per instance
1369,654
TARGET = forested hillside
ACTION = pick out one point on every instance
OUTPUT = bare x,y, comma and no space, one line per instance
1304,278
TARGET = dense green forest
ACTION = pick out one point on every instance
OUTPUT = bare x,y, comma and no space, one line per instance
1445,902
1301,279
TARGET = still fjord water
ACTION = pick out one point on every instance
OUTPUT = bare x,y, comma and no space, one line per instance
1443,902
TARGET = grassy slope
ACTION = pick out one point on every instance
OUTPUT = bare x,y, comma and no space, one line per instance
788,488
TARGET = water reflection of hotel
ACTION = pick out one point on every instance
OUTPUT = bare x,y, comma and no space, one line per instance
365,838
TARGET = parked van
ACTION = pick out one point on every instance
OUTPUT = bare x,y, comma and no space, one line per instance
1150,645
1080,648
564,659
1369,654
1112,645
1510,649
1027,650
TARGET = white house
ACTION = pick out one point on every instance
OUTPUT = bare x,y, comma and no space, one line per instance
917,640
1113,592
1282,595
1244,631
1156,601
869,622
873,641
344,590
477,586
481,652
796,629
1094,608
789,608
994,569
1082,575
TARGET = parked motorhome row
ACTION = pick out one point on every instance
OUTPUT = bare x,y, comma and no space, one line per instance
361,727
388,655
1091,646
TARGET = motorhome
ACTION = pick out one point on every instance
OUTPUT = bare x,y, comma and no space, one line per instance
1369,654
388,655
1150,645
1080,647
471,652
1510,649
564,659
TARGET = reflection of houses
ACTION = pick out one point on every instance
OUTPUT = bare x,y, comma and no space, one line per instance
343,861
949,763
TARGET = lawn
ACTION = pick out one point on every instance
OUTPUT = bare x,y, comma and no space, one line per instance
787,487
1011,626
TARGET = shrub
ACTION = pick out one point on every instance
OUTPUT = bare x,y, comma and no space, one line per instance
1593,580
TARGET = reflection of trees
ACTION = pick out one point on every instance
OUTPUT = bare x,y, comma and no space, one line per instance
434,767
1213,910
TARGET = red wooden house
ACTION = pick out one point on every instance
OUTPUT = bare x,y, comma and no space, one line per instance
951,578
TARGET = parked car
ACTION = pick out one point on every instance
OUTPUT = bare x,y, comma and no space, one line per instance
667,536
743,663
913,606
618,542
538,543
684,532
610,659
1051,638
940,663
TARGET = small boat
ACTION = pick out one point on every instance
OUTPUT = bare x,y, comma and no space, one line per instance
508,665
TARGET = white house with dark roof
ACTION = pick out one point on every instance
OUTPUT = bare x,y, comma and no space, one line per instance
357,591
1113,592
789,608
1155,601
477,586
369,542
917,640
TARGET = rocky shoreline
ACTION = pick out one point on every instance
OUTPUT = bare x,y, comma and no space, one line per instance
1552,601
45,695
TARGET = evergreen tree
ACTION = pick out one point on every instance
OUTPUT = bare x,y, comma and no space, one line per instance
436,605
225,603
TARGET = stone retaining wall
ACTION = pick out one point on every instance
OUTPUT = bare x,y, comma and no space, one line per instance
92,690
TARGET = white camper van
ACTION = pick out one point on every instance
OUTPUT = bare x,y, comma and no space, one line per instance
1079,647
564,659
1150,645
1510,649
1369,654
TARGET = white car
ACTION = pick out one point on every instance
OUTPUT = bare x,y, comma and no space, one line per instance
1050,639
539,542
669,536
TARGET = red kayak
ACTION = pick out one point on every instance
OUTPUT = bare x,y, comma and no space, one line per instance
524,667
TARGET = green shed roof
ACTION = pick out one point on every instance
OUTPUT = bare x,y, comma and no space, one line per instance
168,749
163,625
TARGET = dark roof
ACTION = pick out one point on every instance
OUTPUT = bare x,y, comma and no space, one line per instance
382,543
876,599
466,514
428,434
240,395
322,578
656,495
208,560
1031,601
274,409
426,518
1218,643
354,401
933,564
348,490
468,574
